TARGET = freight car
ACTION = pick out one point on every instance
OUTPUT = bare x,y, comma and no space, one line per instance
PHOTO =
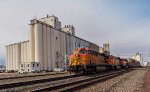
84,60
133,63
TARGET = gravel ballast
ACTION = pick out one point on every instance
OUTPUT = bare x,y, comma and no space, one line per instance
132,81
146,85
129,82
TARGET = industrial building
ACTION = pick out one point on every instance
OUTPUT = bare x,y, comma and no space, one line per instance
47,47
139,58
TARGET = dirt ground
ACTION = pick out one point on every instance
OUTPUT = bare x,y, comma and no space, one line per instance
146,86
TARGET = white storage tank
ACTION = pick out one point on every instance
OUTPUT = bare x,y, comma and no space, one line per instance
49,55
38,44
101,50
31,43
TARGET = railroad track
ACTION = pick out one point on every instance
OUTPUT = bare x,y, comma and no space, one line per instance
63,83
29,76
77,85
19,84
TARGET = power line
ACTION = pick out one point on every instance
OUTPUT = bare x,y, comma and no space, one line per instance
143,54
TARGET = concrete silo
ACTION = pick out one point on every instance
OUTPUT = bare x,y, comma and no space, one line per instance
38,44
31,43
45,47
18,55
49,59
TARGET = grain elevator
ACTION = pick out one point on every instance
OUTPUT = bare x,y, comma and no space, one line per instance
47,48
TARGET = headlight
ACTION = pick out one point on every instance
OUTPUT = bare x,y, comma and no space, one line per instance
78,62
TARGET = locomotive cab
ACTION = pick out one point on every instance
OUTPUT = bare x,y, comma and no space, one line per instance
77,60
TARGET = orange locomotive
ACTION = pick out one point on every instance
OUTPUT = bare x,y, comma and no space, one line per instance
113,62
123,63
85,60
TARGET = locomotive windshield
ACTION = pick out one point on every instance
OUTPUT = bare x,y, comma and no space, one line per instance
75,52
83,51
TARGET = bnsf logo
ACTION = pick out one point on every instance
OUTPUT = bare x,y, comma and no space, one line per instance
75,59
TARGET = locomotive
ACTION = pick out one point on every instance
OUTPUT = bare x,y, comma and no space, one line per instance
84,60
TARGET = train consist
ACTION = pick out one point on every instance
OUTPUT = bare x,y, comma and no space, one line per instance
84,60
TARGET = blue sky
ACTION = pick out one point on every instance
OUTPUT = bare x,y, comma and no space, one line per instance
125,24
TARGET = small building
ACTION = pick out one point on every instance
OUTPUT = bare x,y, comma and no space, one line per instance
145,63
148,64
2,68
106,47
